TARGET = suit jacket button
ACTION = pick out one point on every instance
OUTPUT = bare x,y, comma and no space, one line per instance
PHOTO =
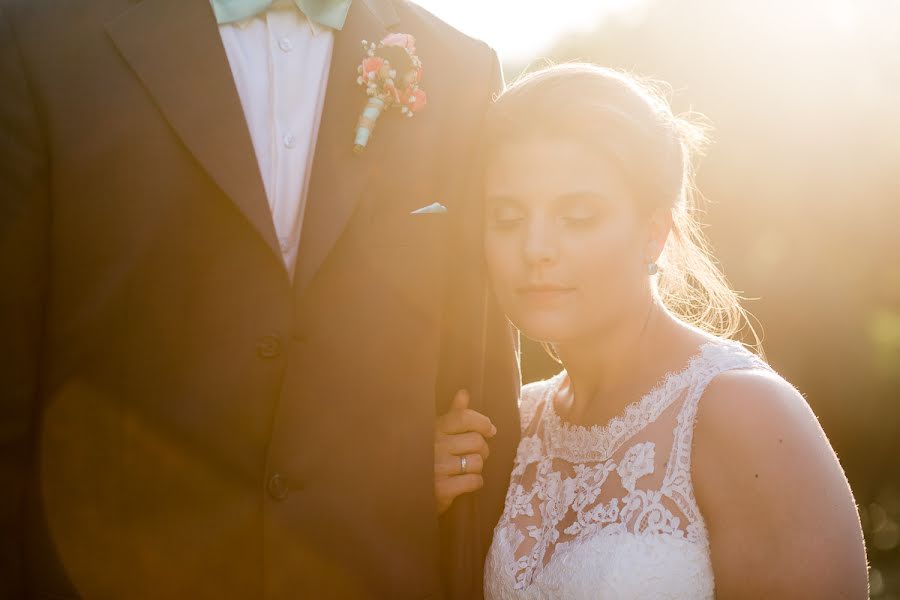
269,346
278,487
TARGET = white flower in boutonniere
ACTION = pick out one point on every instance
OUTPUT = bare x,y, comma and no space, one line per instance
391,73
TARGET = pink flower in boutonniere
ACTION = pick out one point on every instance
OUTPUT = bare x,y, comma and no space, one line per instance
403,40
371,66
416,99
388,67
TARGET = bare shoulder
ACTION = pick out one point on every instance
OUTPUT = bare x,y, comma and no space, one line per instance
754,428
781,517
755,407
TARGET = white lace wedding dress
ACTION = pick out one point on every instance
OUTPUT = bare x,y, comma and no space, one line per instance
609,512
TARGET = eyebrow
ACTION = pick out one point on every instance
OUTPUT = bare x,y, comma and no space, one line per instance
502,198
567,197
583,194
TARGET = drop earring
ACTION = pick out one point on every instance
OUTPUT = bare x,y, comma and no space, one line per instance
652,267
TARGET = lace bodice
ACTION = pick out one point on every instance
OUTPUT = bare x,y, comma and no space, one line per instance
609,511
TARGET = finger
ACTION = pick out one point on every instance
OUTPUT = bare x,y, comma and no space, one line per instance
450,465
452,487
460,401
448,422
467,420
472,420
467,443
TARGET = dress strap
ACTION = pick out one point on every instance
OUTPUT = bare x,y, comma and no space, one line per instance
718,358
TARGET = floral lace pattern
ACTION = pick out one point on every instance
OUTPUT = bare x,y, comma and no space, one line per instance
591,513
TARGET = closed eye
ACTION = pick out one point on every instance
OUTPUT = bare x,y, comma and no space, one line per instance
505,214
509,223
581,209
578,221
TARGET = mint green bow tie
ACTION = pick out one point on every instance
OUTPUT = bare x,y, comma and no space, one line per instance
330,13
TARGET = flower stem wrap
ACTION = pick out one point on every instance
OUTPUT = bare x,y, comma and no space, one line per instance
366,123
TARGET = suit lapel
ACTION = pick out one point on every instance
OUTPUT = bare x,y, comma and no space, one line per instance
175,49
338,175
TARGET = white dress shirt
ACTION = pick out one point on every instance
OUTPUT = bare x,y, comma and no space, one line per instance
280,63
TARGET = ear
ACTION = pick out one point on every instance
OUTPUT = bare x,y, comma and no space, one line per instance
659,226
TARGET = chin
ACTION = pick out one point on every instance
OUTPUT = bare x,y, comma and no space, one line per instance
551,328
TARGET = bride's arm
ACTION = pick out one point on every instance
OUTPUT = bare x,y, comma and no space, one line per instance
781,516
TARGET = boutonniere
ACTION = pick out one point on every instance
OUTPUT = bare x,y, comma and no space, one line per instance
391,73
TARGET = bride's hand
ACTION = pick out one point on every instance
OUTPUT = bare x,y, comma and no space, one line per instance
459,433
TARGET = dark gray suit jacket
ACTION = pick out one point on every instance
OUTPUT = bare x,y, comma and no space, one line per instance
178,419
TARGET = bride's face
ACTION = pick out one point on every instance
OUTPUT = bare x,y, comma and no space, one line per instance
564,241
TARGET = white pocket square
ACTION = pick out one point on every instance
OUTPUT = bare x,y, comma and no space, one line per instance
434,208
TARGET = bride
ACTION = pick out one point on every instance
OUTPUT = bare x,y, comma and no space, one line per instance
664,460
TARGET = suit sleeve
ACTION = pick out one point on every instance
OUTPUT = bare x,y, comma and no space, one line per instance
479,352
23,257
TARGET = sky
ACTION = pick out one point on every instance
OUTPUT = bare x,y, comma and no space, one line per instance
520,30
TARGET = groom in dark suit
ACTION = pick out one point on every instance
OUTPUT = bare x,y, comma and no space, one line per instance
221,363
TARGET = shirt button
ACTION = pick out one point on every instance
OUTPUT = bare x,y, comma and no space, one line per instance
285,44
277,487
269,346
289,141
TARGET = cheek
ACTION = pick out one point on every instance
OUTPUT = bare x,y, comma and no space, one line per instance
610,251
494,256
500,255
606,265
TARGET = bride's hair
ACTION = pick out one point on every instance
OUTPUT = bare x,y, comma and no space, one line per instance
630,121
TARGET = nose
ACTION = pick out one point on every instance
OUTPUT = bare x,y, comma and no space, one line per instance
540,245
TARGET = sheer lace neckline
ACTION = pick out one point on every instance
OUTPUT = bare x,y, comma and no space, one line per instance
633,407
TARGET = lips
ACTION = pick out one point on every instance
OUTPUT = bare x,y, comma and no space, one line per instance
542,288
544,292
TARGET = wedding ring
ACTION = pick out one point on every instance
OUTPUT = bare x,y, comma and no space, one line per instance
463,465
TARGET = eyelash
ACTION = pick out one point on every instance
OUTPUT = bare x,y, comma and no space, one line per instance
510,223
506,223
578,221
